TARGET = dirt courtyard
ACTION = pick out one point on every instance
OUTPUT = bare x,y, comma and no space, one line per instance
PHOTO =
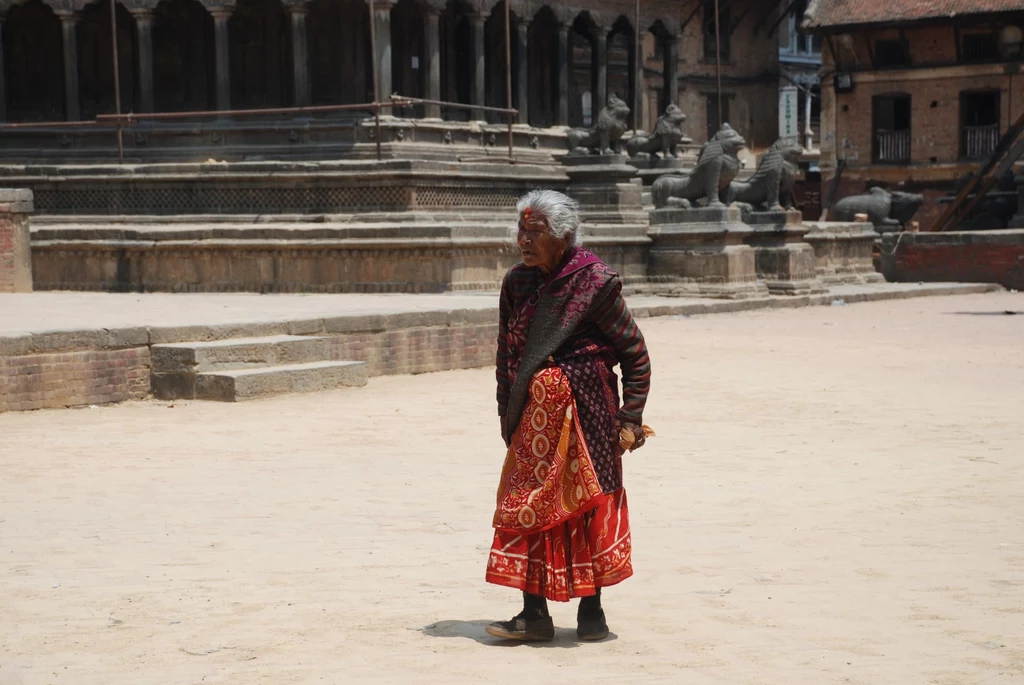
835,495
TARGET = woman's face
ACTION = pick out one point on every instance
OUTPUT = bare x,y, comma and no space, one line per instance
537,245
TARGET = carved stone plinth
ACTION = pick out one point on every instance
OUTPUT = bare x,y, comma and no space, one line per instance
15,249
702,251
843,251
784,261
650,170
605,187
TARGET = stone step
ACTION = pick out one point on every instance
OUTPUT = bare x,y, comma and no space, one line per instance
250,384
238,353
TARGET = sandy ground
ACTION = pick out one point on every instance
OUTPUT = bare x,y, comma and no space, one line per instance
836,495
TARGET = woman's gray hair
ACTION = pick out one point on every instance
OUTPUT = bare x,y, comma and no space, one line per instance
561,211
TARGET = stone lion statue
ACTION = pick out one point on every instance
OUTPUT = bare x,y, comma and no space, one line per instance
771,186
668,133
888,211
716,168
604,137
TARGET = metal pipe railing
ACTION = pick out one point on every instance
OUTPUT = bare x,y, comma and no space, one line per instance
49,124
118,121
132,117
405,101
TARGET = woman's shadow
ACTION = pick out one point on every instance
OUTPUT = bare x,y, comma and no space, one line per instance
476,631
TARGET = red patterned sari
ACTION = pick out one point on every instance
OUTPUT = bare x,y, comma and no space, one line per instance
561,520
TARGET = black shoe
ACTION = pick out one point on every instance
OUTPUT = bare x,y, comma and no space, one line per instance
536,630
591,626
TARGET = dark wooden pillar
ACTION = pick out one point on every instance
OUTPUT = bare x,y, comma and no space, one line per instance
144,36
671,70
562,69
69,33
382,25
479,93
522,71
600,69
223,61
300,54
433,61
3,81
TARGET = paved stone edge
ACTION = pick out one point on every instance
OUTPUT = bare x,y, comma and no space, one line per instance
116,338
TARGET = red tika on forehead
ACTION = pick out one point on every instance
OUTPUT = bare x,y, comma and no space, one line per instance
527,212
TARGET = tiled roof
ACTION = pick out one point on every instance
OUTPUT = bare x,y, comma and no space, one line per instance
825,13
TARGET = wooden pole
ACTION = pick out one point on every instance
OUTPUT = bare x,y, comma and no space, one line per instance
638,67
718,61
117,79
508,76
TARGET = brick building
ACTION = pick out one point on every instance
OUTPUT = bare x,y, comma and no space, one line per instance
915,92
56,64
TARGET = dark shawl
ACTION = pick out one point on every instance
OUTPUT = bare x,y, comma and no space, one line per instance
576,319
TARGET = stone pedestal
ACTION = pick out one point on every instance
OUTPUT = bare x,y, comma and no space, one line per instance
703,251
606,189
843,251
650,170
783,260
15,248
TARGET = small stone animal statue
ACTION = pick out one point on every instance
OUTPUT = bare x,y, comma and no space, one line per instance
771,187
716,168
604,137
668,133
888,211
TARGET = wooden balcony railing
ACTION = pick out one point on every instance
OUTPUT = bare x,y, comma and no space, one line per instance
892,147
979,142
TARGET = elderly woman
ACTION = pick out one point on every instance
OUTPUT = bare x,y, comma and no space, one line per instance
561,524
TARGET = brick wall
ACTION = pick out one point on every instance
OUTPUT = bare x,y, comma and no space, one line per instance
964,256
7,229
65,379
419,350
934,113
56,374
15,251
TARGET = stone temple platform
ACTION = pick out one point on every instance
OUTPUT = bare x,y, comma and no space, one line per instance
64,349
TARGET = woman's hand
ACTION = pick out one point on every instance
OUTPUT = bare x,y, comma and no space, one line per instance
638,434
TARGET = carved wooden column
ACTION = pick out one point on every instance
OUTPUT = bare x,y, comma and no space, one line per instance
562,69
479,96
144,35
433,59
3,82
300,54
382,25
523,71
671,71
69,33
223,62
600,69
